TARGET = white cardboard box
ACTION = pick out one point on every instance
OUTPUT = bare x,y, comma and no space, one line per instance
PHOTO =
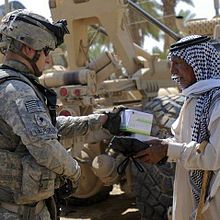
136,122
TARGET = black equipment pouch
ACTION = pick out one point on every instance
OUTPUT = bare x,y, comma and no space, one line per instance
49,95
128,146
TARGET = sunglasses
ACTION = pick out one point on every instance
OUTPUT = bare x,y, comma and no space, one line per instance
46,51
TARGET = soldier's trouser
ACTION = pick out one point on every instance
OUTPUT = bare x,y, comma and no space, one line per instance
11,212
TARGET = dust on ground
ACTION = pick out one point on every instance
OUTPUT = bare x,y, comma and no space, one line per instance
118,206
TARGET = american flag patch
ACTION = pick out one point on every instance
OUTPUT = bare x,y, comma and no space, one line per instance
34,106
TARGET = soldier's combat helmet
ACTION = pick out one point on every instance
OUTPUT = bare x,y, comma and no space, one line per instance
32,30
25,27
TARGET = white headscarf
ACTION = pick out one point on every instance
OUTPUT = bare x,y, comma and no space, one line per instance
205,62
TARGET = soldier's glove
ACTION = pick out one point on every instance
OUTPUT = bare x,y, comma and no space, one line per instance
114,120
67,189
128,146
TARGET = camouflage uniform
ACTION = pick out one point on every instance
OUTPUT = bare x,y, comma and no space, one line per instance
32,160
33,132
7,215
90,126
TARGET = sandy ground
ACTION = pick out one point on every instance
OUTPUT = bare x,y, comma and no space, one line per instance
117,207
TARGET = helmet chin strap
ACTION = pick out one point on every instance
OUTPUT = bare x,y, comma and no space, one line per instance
33,61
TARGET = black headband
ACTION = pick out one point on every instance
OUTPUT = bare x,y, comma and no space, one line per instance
188,43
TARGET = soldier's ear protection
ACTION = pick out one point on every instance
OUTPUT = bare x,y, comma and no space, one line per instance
188,43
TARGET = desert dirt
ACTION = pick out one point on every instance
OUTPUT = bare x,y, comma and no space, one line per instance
118,206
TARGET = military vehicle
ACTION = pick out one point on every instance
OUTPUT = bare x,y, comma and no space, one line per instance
10,6
125,75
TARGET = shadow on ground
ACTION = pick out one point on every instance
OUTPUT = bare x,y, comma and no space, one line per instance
116,207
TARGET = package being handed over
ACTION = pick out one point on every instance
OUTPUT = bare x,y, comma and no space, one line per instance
136,122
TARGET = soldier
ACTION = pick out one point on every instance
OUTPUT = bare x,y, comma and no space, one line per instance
32,161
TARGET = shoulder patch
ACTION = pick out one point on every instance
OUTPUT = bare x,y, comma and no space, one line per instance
34,106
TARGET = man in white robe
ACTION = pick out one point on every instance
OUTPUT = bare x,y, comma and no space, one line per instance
195,65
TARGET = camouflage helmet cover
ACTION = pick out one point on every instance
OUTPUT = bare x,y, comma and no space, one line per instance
32,29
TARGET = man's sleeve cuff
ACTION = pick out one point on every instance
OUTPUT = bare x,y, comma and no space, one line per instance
174,151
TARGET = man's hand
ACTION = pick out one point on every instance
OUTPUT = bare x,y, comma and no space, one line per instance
156,151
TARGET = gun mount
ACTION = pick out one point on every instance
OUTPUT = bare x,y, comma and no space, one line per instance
138,75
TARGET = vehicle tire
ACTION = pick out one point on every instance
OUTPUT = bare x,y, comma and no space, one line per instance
154,187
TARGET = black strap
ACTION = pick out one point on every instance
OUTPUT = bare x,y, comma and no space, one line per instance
50,96
123,165
51,206
59,28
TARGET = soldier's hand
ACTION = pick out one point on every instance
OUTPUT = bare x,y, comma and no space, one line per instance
156,151
66,190
113,121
